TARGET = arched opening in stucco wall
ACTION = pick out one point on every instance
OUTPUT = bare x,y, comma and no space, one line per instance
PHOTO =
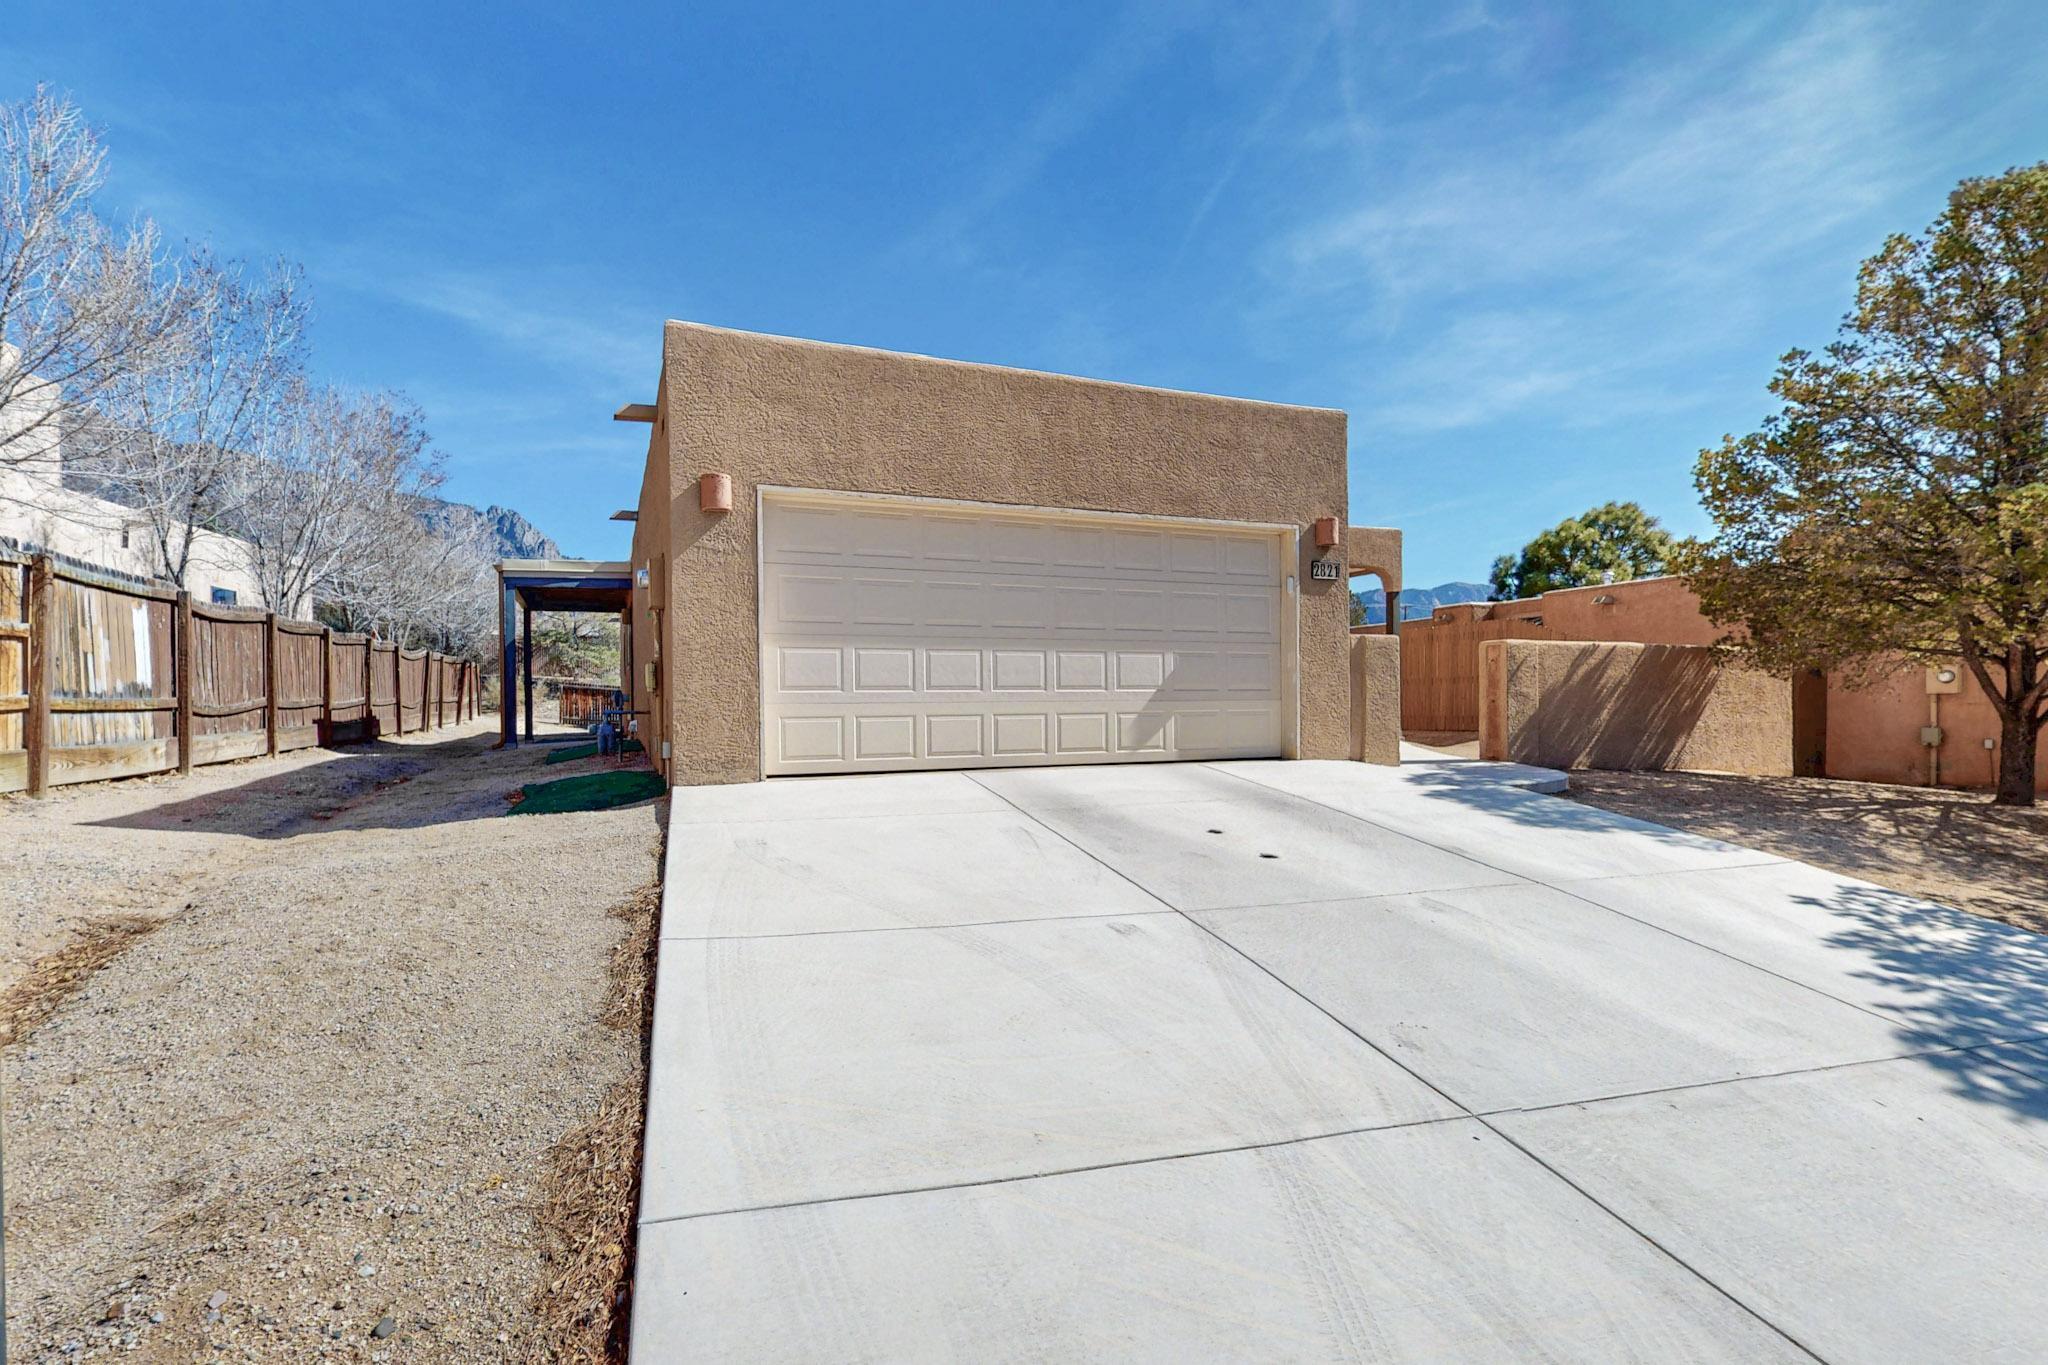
1369,599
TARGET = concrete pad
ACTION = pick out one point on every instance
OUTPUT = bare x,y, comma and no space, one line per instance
799,798
1894,1211
1119,784
1266,848
1439,1243
1505,997
2031,1059
1524,833
792,1069
1420,769
876,872
1944,974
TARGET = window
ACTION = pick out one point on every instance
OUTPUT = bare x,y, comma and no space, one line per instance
224,596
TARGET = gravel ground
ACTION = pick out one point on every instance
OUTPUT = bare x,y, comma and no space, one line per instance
1949,846
314,1103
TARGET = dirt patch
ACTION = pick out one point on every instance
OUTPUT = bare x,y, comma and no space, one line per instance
591,1192
55,977
314,1112
1948,846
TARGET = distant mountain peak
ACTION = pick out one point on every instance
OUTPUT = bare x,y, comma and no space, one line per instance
1419,603
512,535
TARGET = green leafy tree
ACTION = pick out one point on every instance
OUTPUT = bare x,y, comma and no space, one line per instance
1609,544
1897,504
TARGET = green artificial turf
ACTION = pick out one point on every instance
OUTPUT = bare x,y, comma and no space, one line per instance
576,751
593,791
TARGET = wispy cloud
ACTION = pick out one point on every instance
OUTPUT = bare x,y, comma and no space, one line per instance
627,345
1553,263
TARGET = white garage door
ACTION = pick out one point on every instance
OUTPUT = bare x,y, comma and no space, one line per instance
915,636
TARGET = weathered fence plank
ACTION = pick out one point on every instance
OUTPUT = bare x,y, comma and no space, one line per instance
103,677
41,624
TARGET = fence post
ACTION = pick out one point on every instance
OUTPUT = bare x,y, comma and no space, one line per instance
181,670
434,672
270,683
35,722
327,686
369,676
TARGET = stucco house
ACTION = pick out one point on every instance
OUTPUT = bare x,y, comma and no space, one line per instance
39,512
851,560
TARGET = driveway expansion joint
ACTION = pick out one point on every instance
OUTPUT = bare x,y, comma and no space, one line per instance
1466,1111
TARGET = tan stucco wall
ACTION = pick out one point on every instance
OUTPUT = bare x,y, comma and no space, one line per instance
1376,698
650,614
803,414
1873,731
1633,707
1376,550
1645,611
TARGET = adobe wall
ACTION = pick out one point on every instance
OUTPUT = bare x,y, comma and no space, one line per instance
652,619
1627,706
1376,697
1873,732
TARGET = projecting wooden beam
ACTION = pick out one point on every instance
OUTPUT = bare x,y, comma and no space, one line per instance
634,412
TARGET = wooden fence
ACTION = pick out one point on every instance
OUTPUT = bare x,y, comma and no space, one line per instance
103,677
1440,669
583,703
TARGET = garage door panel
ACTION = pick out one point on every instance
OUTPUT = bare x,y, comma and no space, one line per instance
1021,734
1138,611
952,670
1080,547
810,668
811,739
951,540
1081,609
891,601
905,637
1018,670
808,598
884,670
1142,732
1191,553
888,538
884,737
954,736
1080,733
1249,558
1140,670
1081,670
800,531
1020,606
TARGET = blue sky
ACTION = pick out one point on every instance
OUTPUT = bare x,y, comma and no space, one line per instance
1541,253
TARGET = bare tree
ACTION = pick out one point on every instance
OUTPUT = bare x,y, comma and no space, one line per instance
340,482
82,305
180,428
419,588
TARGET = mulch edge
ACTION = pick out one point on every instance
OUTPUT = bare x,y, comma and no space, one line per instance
589,1197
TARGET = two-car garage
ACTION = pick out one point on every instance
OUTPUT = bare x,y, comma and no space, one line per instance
901,633
849,560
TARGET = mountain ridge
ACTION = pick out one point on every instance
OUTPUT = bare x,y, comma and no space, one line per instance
510,535
1418,603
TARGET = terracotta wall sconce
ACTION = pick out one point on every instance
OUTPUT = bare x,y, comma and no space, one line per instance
1326,532
714,493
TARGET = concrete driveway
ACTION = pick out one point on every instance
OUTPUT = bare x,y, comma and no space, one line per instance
1320,1061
